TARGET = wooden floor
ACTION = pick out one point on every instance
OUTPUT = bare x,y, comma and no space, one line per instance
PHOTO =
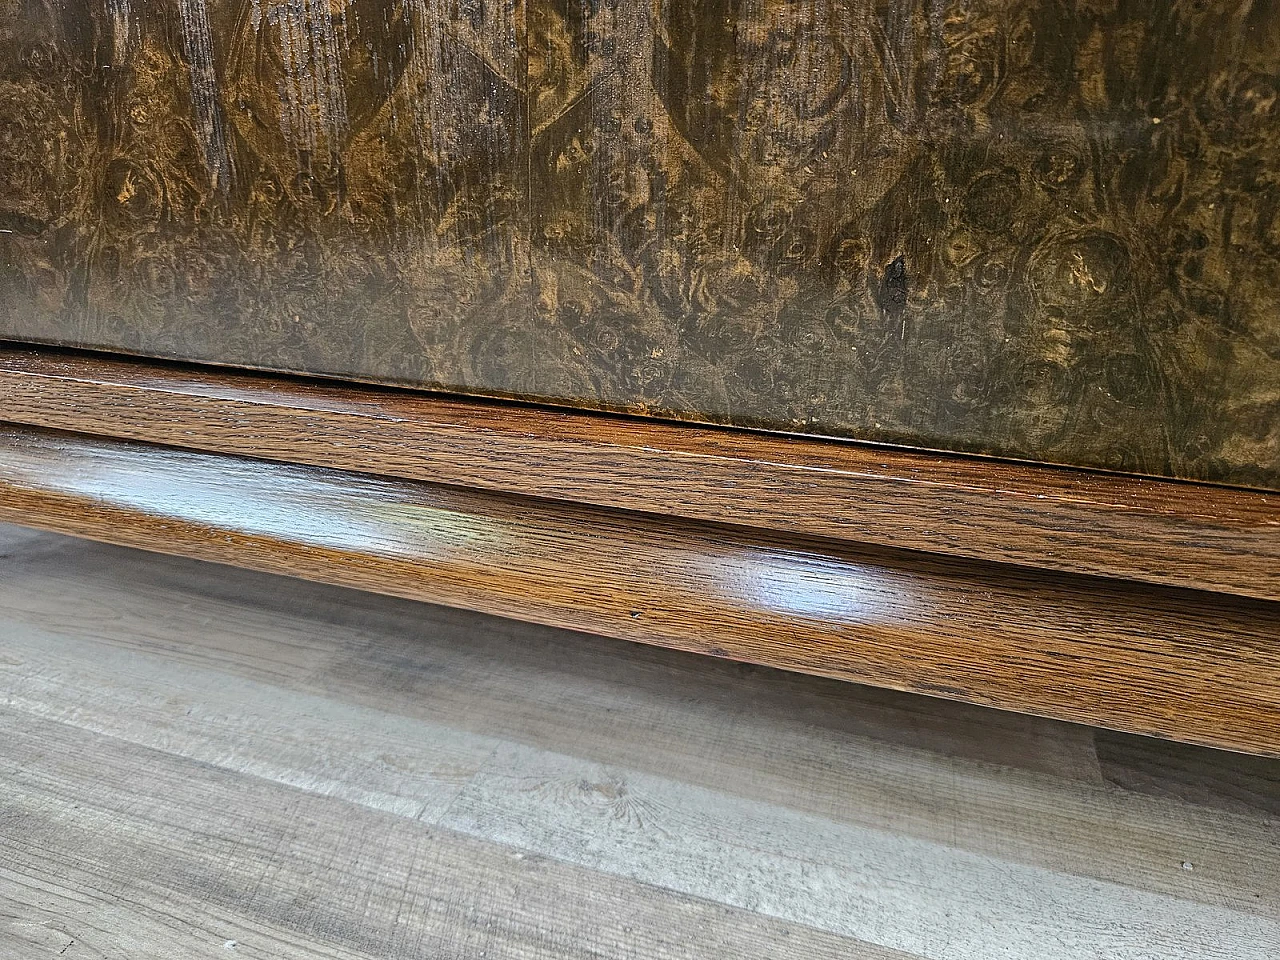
201,762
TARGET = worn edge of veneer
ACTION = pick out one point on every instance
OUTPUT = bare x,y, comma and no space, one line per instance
1182,664
1168,532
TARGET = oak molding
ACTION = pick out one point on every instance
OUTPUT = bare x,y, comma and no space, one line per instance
1157,660
1156,531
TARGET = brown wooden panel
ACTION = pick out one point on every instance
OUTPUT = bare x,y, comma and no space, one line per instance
1157,531
300,185
1025,228
1194,666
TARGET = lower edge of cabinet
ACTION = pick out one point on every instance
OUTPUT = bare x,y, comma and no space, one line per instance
1183,664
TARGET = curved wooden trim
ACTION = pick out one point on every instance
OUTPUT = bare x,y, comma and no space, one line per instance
1181,664
1157,531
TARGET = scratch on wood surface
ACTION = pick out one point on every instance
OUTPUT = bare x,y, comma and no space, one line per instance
197,40
312,97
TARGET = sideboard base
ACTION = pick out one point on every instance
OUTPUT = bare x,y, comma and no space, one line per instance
1189,665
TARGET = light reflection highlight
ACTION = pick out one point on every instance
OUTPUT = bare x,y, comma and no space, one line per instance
349,517
815,588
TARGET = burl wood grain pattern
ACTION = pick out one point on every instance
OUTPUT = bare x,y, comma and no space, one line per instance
1020,227
1188,665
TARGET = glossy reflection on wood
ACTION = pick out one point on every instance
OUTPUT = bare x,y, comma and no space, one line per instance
1150,530
1194,666
1035,229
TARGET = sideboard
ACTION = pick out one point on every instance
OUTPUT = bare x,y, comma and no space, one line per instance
927,345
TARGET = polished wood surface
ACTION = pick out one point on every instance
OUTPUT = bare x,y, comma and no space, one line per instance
1193,666
1029,228
1162,532
203,762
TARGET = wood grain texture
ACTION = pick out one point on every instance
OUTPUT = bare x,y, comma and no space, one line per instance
1155,531
1193,666
195,755
120,851
1017,227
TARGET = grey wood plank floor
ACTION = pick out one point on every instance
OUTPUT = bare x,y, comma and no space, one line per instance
197,761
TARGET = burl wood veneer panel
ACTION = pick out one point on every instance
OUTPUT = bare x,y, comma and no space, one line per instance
1034,229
